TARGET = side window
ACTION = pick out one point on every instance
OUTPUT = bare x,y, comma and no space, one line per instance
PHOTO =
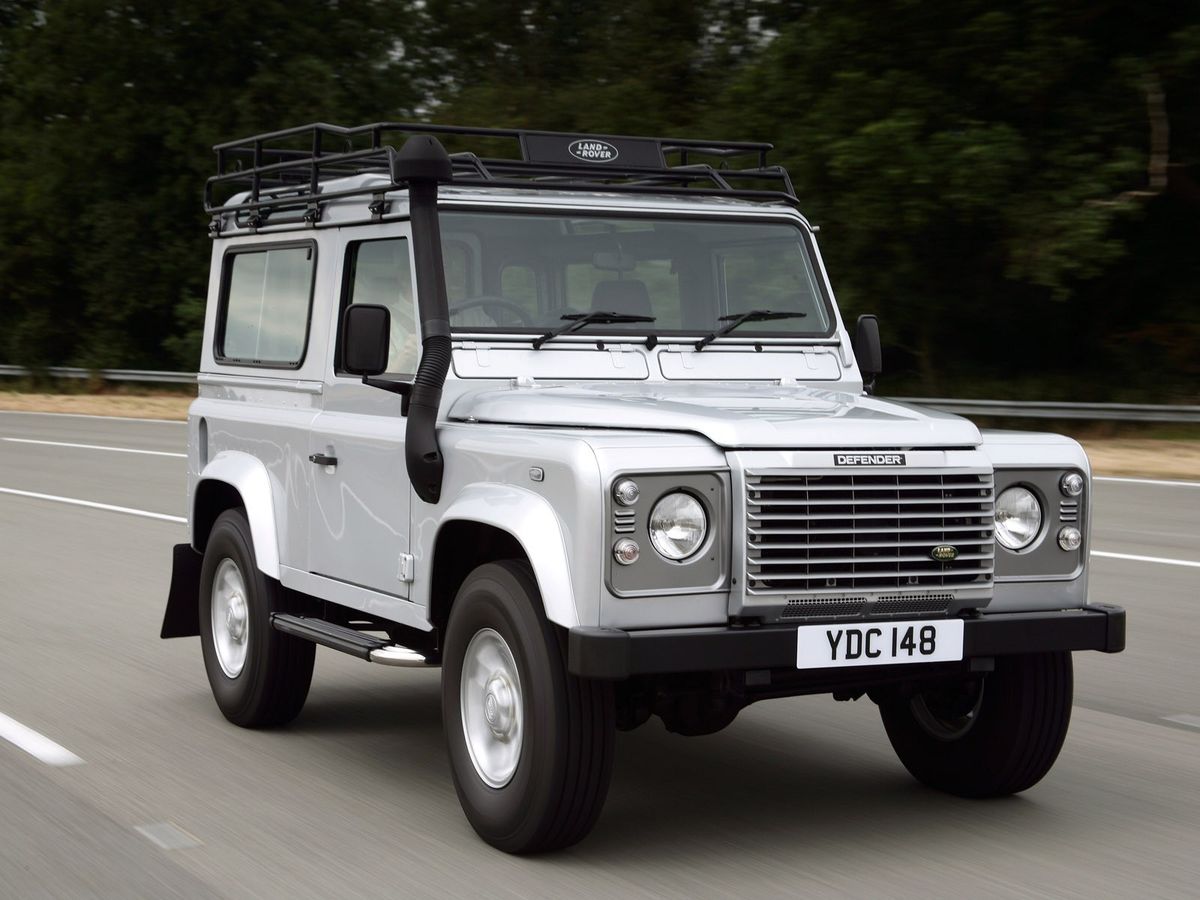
265,310
380,273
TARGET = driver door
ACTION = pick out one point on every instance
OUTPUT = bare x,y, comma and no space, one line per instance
359,518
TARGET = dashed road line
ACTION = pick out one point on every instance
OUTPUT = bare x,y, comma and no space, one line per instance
91,504
167,836
1160,560
1194,484
1184,719
37,745
93,447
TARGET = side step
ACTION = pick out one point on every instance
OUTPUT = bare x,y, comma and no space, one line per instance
347,640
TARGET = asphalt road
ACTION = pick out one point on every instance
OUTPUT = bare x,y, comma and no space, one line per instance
797,797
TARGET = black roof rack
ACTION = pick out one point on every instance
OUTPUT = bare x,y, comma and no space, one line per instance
284,170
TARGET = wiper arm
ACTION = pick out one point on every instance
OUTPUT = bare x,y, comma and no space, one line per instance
755,315
575,321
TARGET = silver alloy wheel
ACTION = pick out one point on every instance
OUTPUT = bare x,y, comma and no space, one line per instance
491,707
230,618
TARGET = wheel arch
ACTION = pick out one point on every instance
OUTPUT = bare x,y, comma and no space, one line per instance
487,523
230,480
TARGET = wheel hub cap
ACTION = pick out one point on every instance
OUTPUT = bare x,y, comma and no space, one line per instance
491,705
230,618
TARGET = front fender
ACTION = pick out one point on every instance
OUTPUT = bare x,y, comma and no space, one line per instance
530,519
249,477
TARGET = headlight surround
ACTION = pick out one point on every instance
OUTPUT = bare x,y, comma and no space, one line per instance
1018,517
678,526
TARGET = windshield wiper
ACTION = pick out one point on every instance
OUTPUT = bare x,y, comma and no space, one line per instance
575,321
755,315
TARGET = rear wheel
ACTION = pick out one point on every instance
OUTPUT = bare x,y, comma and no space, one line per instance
530,745
987,736
259,676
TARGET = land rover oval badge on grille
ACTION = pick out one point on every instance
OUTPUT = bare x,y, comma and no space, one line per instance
944,553
593,150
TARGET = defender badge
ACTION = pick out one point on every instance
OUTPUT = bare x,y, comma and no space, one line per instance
944,553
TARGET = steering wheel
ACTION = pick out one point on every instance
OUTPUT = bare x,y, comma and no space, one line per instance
488,302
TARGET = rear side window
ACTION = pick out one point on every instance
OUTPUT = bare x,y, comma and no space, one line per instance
266,307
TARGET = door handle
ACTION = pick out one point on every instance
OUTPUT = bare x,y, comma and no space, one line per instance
322,460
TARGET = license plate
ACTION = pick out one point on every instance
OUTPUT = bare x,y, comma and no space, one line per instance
878,643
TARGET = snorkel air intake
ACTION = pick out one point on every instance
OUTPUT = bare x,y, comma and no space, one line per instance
421,164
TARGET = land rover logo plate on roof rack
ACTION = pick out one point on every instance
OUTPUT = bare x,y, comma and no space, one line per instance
593,151
589,150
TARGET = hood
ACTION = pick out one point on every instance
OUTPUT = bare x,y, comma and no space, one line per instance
729,415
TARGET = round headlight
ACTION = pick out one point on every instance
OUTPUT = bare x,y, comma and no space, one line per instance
1071,484
678,525
1018,518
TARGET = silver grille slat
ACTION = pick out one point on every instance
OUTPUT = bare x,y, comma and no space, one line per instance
827,531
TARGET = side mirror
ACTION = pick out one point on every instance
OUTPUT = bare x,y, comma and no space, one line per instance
868,351
366,329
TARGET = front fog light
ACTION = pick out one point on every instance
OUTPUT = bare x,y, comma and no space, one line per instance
1071,484
626,552
1069,538
1018,518
678,526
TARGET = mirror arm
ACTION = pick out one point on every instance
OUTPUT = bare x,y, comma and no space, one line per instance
403,388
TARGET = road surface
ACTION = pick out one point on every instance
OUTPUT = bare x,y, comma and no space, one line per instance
119,777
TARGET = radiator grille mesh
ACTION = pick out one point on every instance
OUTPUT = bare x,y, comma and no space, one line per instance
816,533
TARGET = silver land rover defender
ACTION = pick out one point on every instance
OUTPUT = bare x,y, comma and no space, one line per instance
583,426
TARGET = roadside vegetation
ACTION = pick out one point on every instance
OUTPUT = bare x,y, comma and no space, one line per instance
1012,188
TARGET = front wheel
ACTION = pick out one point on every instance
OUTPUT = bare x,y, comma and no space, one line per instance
530,745
985,736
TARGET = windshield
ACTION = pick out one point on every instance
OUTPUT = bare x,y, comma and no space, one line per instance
523,272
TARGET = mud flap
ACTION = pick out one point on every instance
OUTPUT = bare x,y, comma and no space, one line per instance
182,618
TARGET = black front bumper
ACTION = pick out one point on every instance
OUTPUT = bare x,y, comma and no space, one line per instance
610,653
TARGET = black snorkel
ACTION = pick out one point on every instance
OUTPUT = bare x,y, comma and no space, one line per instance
421,164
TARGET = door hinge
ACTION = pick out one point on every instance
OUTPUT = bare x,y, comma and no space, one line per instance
407,566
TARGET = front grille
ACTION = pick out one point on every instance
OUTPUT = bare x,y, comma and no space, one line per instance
874,532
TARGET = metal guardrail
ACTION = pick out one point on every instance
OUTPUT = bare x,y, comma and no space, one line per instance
1039,409
1010,409
134,375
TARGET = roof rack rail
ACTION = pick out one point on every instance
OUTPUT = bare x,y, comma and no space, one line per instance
284,170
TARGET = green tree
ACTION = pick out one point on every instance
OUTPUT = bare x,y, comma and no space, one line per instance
108,114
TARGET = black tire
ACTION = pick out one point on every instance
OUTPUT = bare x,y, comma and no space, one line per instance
554,796
1009,742
272,684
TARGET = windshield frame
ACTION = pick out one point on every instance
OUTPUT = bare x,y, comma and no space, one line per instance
745,334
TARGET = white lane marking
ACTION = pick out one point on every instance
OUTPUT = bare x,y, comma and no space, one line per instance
29,412
1184,719
35,744
108,507
94,447
167,836
1161,560
1195,484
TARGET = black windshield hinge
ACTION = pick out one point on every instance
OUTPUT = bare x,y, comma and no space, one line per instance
380,206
